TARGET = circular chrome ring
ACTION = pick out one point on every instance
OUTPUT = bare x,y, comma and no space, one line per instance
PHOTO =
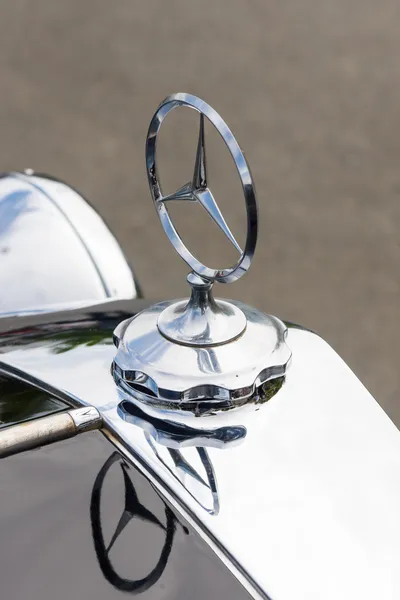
243,264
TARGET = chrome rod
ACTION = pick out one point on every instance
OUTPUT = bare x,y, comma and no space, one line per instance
47,430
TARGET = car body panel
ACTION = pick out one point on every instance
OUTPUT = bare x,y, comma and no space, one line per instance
312,489
55,250
48,542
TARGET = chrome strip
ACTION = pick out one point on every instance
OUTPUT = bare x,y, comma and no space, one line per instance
47,430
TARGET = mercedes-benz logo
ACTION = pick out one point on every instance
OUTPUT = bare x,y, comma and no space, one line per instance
197,189
133,509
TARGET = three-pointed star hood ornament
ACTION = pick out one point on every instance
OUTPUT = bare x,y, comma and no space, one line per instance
197,190
202,349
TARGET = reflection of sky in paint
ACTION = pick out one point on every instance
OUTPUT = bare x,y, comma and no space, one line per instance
11,207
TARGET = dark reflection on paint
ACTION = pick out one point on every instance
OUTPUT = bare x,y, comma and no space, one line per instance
60,335
133,509
20,402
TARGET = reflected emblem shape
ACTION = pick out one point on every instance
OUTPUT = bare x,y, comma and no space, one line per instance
133,509
197,189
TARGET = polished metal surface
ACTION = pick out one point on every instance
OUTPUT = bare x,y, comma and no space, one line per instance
201,350
203,321
79,522
160,372
55,250
301,501
86,419
198,191
47,430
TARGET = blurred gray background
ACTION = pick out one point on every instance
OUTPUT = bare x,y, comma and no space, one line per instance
311,89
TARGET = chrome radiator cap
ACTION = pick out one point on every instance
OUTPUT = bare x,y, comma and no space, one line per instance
201,353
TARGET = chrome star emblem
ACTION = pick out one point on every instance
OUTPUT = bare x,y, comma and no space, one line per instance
197,189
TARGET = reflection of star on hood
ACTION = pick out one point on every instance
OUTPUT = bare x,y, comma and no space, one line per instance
133,508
